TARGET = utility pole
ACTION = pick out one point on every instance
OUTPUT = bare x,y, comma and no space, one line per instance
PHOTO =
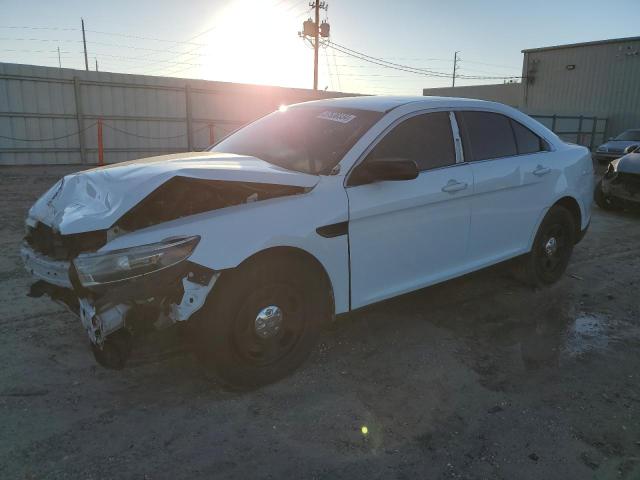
84,41
59,61
455,65
315,30
96,59
316,45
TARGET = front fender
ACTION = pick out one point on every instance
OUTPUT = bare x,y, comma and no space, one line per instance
231,235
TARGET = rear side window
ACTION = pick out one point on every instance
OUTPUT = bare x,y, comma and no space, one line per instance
486,135
527,141
425,139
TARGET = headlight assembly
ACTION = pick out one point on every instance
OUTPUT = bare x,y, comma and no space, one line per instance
612,169
101,268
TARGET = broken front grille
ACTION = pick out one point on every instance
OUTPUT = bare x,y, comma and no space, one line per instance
43,239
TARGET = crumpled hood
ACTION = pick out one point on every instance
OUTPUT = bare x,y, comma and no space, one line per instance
630,163
95,199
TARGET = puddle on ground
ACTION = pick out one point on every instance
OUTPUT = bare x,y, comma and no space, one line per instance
588,332
543,338
545,342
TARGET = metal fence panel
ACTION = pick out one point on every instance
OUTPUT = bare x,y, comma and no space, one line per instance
49,115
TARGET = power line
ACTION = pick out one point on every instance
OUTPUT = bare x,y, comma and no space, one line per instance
333,54
102,44
489,64
407,68
63,29
382,64
101,32
138,37
326,57
351,51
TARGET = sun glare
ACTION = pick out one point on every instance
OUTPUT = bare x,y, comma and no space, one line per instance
257,42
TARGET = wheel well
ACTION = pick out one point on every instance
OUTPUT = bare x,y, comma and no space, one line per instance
571,204
293,254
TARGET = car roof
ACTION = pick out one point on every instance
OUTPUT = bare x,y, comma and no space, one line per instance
385,103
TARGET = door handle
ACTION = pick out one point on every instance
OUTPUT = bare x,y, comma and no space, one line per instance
540,170
454,186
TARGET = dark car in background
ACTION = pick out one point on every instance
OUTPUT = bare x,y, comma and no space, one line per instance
620,185
615,147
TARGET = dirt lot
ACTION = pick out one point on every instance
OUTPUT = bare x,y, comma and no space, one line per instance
481,377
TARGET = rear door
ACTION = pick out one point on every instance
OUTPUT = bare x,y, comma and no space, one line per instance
513,180
404,235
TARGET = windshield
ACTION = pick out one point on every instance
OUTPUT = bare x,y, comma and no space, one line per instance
307,139
629,135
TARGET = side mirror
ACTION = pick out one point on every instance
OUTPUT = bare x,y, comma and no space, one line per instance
631,149
384,169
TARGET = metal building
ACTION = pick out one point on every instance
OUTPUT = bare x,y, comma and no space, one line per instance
566,86
599,78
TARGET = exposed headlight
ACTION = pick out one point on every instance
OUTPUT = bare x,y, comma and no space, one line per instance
612,169
100,268
601,149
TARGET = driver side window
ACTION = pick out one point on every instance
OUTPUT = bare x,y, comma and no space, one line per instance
426,139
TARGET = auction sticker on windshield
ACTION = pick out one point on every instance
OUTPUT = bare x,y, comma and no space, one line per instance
337,116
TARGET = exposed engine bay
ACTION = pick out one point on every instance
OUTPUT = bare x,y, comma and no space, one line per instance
120,293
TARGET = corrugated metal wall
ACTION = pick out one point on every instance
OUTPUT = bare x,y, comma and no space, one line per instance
599,79
141,115
507,93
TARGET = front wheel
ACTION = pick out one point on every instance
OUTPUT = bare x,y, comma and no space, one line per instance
262,321
552,248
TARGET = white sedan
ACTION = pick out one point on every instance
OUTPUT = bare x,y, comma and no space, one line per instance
314,210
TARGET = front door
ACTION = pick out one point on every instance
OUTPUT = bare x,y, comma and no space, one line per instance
404,235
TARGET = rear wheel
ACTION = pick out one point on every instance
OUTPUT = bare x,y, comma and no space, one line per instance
262,321
552,248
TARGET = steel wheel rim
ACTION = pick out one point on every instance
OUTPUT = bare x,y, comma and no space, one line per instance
264,350
553,249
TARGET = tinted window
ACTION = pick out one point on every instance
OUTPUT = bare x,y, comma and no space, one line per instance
425,139
527,141
305,138
486,135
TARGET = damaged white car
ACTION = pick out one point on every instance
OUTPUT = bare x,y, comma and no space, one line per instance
312,211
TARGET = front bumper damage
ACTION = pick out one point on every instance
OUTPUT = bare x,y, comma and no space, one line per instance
69,227
152,302
622,189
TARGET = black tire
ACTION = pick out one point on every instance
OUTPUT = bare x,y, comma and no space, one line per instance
115,350
548,259
601,199
228,341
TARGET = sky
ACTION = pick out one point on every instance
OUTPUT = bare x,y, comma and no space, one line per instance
256,41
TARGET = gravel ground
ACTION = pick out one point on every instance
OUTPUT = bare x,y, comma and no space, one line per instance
481,377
